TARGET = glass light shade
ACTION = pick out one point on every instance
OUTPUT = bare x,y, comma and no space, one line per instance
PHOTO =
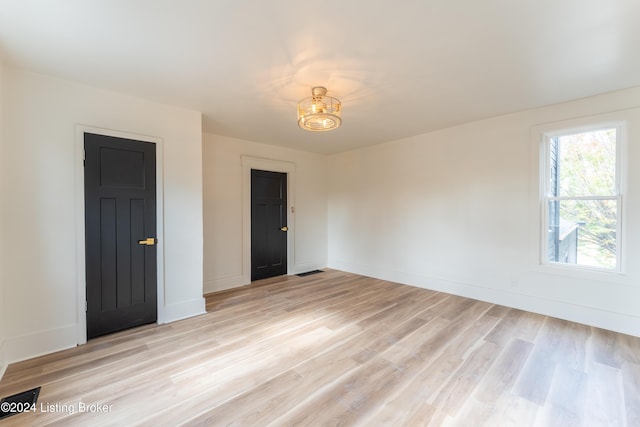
319,112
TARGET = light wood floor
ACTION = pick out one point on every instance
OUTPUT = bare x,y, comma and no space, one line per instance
340,349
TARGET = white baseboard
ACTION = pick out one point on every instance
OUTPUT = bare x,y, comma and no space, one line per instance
222,284
40,343
183,310
3,360
591,316
231,282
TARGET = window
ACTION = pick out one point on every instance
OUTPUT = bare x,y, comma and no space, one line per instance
581,198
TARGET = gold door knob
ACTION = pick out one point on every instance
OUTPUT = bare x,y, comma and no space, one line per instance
285,228
149,241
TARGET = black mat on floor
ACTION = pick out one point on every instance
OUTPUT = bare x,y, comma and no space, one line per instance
310,272
17,403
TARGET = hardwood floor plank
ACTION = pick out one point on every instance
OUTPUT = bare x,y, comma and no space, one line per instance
504,371
94,363
567,398
373,347
535,380
423,373
340,349
466,378
282,393
631,387
344,401
511,410
515,324
604,399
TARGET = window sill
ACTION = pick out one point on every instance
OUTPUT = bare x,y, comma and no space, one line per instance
583,272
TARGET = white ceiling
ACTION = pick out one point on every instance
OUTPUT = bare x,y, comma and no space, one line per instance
400,68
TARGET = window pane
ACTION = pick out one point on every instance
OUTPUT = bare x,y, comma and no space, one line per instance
584,164
582,232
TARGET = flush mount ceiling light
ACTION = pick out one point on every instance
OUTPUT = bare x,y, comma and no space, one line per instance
319,112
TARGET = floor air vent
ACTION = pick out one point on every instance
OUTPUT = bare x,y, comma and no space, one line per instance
17,403
309,273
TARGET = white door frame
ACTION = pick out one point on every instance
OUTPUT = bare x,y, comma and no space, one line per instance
81,288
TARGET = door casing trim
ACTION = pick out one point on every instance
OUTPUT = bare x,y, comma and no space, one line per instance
248,163
81,280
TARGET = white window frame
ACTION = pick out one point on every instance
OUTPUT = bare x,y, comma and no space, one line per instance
542,136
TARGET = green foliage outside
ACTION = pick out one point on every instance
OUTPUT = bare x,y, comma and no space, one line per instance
587,167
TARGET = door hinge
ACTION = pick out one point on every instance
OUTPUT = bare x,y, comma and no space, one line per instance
85,306
84,157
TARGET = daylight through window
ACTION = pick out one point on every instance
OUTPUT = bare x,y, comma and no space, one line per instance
582,199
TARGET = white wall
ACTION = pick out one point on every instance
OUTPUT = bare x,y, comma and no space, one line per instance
223,220
40,166
455,210
3,364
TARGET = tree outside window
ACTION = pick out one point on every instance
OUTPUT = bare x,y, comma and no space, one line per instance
582,199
